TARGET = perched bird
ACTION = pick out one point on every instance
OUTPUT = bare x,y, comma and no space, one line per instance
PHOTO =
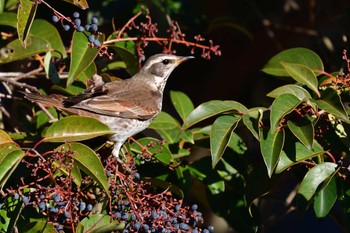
128,106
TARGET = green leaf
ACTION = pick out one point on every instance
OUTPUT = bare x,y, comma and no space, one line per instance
87,161
83,4
39,226
15,50
294,152
182,103
99,223
9,214
252,118
4,138
293,89
212,108
10,157
42,118
50,69
50,34
304,131
87,74
271,144
302,56
75,128
303,75
8,19
25,16
237,144
128,57
325,199
167,127
160,150
82,55
331,102
314,177
281,106
220,135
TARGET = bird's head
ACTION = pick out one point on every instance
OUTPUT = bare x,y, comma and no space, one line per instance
161,66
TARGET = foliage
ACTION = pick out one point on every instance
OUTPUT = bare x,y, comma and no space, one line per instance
58,175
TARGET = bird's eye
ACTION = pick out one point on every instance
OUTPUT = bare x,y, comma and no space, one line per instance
165,61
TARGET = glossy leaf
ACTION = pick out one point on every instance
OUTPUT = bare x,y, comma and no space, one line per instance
87,74
303,75
281,106
271,144
160,150
182,103
325,199
237,144
38,226
51,35
9,213
15,50
83,4
75,128
212,108
25,16
87,161
82,55
8,19
4,137
99,223
294,152
50,69
167,127
128,56
330,101
293,89
304,131
314,177
252,118
220,135
302,56
9,160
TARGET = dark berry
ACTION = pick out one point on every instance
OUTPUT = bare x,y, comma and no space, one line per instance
145,227
133,217
97,43
16,196
53,210
80,29
56,197
177,207
94,20
154,214
137,176
87,27
77,22
76,14
55,18
66,27
126,203
66,214
42,196
137,226
125,216
117,215
195,231
82,206
59,227
89,207
108,173
194,207
93,28
25,199
42,206
183,226
211,229
205,231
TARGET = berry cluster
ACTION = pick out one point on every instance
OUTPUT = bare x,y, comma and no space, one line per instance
76,23
135,202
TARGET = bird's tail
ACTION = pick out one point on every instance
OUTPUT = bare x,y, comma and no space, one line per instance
48,101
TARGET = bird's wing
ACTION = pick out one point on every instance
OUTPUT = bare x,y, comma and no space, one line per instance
116,100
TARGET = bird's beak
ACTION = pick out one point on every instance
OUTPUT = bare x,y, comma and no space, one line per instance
182,59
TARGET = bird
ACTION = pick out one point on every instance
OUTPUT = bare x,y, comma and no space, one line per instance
126,106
